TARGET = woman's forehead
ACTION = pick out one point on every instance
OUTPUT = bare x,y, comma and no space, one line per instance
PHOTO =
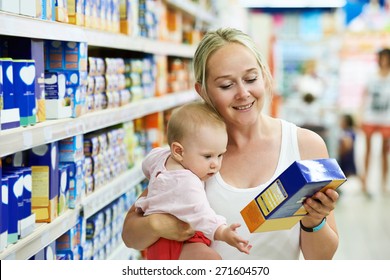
231,57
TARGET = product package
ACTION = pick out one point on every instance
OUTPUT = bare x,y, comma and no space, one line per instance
280,205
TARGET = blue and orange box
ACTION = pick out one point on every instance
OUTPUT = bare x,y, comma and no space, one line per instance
279,206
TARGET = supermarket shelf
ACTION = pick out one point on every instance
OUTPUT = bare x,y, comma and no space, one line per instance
22,138
45,233
28,27
123,253
111,191
192,9
23,26
42,236
97,38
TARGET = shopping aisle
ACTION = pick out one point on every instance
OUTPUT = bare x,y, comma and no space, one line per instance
364,224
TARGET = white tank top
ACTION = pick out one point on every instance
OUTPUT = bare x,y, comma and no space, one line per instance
377,106
228,201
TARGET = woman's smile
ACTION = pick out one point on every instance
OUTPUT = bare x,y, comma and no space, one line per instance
244,107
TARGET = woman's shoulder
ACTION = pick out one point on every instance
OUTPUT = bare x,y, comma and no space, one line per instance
311,145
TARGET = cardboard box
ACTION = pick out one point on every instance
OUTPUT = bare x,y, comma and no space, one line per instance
11,6
10,116
13,209
31,8
279,206
23,190
3,210
76,12
24,90
57,101
33,49
44,162
76,182
72,148
47,253
63,188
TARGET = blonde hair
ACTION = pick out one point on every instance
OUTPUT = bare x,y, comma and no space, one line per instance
186,120
213,41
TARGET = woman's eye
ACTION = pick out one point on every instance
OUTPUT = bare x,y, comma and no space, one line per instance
251,80
225,86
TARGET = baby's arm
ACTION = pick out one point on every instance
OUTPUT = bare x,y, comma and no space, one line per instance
229,235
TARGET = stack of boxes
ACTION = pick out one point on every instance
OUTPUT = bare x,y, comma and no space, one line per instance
43,9
17,218
3,210
72,190
44,162
65,79
22,87
133,78
96,98
9,115
128,12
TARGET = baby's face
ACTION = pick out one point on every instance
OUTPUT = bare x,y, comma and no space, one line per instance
202,153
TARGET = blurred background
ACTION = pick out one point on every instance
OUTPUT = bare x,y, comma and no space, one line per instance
321,54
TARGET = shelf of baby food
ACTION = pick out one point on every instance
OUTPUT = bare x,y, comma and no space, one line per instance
103,39
23,26
43,235
100,198
22,138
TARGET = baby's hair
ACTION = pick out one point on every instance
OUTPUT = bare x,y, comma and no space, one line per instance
186,120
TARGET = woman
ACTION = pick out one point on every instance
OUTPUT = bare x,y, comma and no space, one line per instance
232,77
375,115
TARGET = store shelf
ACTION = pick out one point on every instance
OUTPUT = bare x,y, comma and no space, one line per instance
23,26
111,191
97,38
22,138
19,139
124,253
42,236
28,27
192,9
45,233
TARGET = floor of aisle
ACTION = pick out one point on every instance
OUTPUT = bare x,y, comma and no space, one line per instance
364,223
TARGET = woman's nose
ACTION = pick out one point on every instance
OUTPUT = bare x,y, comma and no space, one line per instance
242,91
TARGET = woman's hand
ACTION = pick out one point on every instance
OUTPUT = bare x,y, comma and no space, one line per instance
319,206
169,227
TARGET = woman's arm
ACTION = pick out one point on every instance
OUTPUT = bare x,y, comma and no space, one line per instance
139,232
323,243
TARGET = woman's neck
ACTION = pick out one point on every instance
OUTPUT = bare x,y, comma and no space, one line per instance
240,136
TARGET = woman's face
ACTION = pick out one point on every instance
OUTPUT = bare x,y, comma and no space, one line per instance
235,84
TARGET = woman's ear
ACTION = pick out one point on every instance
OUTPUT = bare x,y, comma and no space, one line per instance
177,151
198,88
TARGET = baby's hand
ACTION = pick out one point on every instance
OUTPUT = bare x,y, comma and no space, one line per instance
230,236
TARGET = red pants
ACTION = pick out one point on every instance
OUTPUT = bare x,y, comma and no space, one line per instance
369,129
165,249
